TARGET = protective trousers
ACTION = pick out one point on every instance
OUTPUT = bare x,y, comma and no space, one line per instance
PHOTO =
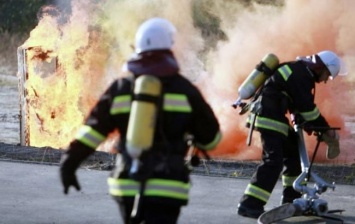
151,213
278,152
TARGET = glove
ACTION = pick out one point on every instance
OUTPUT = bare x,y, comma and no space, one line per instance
67,174
69,180
70,162
332,141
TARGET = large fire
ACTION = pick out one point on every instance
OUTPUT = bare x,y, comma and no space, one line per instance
72,58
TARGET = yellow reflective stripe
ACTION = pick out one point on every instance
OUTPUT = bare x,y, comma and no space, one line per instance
176,103
288,181
257,192
167,188
121,104
212,144
311,115
270,124
285,71
90,137
172,102
154,187
123,187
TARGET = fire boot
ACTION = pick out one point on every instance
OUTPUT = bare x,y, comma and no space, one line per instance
250,212
289,194
285,200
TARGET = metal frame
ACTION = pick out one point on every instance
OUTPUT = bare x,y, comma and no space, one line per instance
23,75
310,203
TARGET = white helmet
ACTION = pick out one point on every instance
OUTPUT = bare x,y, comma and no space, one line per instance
332,61
155,34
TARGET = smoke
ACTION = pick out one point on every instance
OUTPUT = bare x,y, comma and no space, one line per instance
98,36
298,28
124,17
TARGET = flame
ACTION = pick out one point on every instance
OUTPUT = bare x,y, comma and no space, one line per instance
59,100
90,45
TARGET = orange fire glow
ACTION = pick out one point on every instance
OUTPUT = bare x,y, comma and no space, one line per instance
91,46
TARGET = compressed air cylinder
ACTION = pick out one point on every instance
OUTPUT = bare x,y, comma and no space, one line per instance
143,115
257,77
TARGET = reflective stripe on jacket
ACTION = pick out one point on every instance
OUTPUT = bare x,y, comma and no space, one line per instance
311,115
212,144
172,102
121,104
270,124
154,187
184,111
285,72
289,89
90,137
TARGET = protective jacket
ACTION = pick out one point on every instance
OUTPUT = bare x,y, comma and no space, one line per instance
182,111
290,89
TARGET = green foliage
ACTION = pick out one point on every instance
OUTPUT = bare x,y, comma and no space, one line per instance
8,51
19,16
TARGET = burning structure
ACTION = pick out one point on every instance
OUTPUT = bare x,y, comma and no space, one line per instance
70,59
60,77
32,61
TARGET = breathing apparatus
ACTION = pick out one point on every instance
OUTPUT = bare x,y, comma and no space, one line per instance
142,118
255,80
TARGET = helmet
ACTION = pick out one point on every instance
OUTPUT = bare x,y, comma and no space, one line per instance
332,61
155,34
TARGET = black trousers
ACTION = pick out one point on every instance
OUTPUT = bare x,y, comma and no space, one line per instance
150,213
279,152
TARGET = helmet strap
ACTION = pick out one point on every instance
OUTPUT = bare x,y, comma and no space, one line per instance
317,66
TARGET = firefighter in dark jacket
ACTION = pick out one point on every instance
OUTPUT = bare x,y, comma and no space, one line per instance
290,89
162,179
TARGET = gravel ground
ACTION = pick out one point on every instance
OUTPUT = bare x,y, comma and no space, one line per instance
219,168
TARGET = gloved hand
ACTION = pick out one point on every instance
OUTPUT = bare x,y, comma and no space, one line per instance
67,174
331,138
70,162
69,180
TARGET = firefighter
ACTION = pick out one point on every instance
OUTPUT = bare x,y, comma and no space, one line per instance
162,179
291,88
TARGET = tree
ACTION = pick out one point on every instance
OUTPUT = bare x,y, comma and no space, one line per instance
20,16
